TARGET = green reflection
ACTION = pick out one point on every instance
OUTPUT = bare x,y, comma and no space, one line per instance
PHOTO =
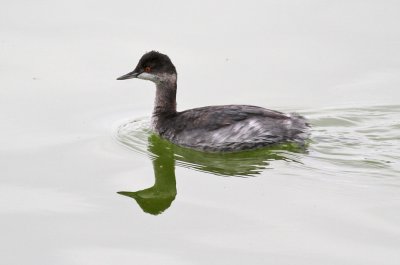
156,199
159,197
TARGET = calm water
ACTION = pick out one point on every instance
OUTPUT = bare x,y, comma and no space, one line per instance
83,181
347,145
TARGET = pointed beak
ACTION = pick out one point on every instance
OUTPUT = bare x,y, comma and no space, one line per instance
130,75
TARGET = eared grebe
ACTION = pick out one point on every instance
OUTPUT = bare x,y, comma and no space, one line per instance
226,128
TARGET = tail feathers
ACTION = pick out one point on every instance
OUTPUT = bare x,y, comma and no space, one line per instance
299,129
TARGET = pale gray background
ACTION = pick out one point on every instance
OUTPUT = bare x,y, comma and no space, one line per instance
60,103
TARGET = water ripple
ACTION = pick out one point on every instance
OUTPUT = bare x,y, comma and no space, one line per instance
136,135
362,141
358,140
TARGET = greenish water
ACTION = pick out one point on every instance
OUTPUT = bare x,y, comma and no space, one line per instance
139,138
164,154
355,141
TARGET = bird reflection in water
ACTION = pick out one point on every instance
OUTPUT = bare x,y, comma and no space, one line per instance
165,155
156,199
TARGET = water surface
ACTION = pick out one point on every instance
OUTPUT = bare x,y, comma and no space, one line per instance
82,181
343,142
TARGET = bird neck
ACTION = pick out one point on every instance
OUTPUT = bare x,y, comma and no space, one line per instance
165,103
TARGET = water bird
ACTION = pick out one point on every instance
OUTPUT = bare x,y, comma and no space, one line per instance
224,128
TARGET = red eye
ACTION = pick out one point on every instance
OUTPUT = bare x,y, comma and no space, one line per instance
147,69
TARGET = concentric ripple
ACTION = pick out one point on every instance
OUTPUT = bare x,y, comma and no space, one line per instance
363,141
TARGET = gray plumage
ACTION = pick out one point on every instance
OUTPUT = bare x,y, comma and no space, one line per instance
230,128
226,128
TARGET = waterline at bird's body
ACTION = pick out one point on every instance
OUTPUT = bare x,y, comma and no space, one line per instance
227,128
